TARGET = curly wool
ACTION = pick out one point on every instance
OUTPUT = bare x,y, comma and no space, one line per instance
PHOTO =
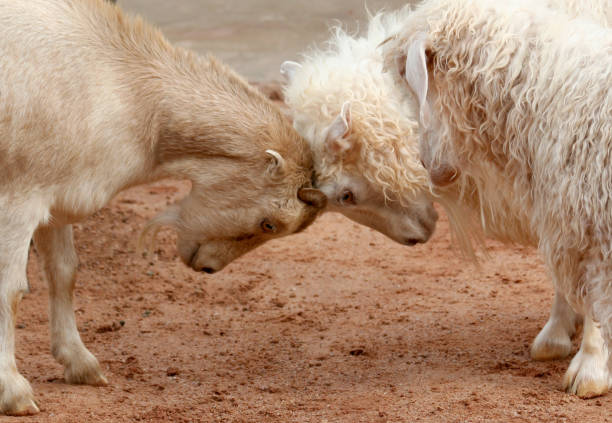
599,11
385,125
350,69
524,107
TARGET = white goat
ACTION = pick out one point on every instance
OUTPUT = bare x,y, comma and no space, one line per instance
344,90
92,102
346,108
515,99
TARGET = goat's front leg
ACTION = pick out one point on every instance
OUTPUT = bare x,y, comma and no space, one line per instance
16,228
56,248
588,375
555,339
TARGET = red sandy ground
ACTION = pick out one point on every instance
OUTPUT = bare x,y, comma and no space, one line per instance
336,324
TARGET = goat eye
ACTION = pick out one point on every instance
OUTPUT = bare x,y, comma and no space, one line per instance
267,226
347,197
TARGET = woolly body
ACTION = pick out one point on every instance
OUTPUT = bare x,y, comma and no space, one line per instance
385,122
523,108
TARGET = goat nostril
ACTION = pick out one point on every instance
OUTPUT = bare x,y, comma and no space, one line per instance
208,270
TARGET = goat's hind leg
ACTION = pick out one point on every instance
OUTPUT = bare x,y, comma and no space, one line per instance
588,375
555,339
16,227
56,248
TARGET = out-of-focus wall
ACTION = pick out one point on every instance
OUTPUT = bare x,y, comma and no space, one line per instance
254,36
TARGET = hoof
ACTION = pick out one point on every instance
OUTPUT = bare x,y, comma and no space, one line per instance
551,349
86,376
546,347
17,398
84,370
587,376
590,389
25,407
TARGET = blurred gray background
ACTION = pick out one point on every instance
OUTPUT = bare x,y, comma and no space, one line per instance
254,36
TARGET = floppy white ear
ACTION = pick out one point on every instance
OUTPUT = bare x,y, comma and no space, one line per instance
288,70
416,74
336,140
277,164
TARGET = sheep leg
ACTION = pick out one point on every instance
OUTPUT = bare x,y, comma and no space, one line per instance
555,339
56,248
588,375
16,228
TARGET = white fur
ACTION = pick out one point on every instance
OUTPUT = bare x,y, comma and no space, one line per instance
520,100
351,70
92,102
343,91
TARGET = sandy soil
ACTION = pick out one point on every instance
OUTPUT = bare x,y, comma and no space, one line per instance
336,324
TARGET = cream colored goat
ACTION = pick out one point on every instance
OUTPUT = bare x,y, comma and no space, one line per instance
516,99
92,102
344,90
345,107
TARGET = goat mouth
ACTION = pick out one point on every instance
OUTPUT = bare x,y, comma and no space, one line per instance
411,242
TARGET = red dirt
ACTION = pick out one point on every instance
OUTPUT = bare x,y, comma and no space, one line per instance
336,324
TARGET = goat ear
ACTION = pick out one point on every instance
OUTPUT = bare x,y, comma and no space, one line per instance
277,165
288,70
336,140
416,74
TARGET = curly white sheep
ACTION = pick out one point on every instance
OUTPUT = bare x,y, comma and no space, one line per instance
378,159
516,97
381,183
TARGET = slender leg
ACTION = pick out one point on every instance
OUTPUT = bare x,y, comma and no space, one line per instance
554,340
588,375
56,248
17,223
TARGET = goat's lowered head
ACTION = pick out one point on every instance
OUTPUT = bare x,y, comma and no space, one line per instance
251,177
220,221
361,164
